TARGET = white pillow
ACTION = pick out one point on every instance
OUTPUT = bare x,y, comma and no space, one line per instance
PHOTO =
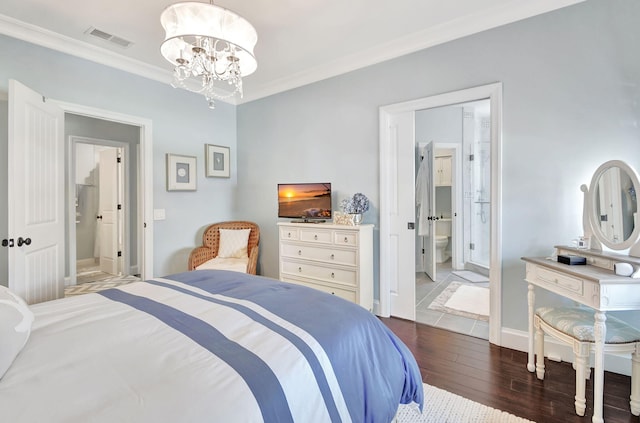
233,243
15,327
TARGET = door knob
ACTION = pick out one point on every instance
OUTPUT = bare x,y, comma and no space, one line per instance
99,217
7,242
22,241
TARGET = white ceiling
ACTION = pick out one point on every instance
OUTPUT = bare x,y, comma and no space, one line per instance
299,41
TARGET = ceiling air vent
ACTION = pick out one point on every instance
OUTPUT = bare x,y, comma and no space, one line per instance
113,39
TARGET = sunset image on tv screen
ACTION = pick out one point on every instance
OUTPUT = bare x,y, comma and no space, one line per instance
304,200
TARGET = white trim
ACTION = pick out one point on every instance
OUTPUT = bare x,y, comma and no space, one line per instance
494,93
145,179
463,26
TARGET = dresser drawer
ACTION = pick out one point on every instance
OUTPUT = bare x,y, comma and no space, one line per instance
316,236
345,238
342,293
312,271
560,280
289,233
328,255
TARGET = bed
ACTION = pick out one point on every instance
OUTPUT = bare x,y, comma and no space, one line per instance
208,346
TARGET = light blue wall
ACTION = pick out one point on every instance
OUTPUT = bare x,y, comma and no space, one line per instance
182,124
571,100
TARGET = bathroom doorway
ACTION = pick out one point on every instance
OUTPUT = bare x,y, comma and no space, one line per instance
99,204
452,217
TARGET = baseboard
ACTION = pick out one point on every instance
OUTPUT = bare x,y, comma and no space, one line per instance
519,340
88,262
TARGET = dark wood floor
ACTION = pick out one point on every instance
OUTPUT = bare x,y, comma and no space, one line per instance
498,377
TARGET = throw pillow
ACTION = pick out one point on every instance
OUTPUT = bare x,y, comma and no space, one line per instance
233,243
15,327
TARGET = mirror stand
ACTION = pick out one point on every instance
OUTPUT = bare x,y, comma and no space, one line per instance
586,221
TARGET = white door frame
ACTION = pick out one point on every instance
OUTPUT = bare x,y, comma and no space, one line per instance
145,178
494,93
71,175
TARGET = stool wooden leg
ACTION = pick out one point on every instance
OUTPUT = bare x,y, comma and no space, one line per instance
635,382
539,352
581,365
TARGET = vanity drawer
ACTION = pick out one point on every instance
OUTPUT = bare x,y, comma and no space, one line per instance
312,271
561,281
318,236
328,255
600,262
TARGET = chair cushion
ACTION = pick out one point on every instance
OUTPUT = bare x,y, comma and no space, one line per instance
223,263
233,243
15,327
578,323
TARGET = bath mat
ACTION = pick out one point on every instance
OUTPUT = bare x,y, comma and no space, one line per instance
471,276
464,300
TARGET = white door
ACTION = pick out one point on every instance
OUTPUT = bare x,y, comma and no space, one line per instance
108,213
35,195
401,219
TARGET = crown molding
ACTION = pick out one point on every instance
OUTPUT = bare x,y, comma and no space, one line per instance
458,28
503,14
45,38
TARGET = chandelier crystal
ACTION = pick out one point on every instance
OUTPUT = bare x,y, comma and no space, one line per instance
210,47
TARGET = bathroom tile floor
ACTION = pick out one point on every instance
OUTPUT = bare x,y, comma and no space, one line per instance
427,290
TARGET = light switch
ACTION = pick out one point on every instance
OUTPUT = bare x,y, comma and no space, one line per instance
159,214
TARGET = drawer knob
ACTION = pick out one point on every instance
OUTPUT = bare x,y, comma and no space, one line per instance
299,252
346,239
333,275
333,293
299,269
315,237
333,256
289,234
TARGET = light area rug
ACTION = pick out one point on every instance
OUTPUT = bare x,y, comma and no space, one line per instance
463,300
441,406
471,276
89,287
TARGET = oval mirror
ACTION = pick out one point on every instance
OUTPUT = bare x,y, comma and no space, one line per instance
614,205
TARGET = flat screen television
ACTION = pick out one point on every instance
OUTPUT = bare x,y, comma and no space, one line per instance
310,202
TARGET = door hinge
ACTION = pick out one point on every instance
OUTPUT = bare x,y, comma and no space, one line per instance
119,206
471,157
423,251
118,160
119,253
472,246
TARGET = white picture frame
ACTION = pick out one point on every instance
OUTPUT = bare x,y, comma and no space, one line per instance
217,161
181,172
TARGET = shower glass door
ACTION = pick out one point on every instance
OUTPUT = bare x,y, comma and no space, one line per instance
477,184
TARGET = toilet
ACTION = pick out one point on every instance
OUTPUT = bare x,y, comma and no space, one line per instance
443,234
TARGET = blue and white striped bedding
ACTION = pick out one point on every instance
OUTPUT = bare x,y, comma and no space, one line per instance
209,346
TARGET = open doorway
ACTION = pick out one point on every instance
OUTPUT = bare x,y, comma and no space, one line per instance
104,241
101,201
397,202
453,197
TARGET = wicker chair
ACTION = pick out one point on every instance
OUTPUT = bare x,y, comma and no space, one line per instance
211,241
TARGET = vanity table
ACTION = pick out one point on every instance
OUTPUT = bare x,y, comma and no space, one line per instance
610,204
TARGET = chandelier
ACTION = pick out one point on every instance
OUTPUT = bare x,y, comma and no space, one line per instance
210,47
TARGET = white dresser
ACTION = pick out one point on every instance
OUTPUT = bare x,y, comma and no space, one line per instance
337,259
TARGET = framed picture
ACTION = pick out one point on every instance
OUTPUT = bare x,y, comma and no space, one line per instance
216,161
181,173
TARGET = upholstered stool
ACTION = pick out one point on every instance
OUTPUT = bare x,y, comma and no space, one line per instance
574,325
